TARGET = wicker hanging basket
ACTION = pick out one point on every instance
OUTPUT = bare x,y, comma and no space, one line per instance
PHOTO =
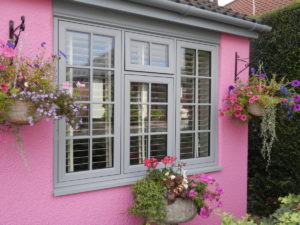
180,211
19,112
255,109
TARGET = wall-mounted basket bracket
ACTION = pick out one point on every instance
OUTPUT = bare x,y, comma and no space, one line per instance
13,37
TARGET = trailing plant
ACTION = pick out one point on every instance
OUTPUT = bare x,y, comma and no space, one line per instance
280,52
166,185
269,95
228,219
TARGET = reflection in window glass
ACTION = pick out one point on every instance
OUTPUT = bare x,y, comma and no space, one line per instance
139,118
139,92
140,52
75,75
77,155
103,153
188,61
103,85
138,149
103,51
103,120
159,55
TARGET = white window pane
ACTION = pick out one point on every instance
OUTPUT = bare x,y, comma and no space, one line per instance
187,143
139,118
103,86
159,55
103,119
102,153
103,51
139,92
203,144
158,145
78,48
139,52
188,61
204,63
75,75
77,155
138,149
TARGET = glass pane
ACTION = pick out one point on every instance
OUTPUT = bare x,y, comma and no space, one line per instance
103,51
187,90
158,145
77,155
103,151
159,118
203,144
138,149
187,117
188,61
159,93
139,52
204,90
84,127
139,92
204,117
187,142
103,120
204,63
78,48
75,75
139,118
103,86
159,55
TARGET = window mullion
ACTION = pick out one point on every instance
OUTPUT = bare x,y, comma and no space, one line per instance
149,121
91,105
196,106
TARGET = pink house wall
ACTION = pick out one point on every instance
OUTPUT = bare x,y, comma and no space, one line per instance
26,193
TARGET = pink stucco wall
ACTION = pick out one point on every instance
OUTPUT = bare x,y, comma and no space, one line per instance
26,193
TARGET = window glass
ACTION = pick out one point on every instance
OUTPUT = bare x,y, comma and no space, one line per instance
140,52
159,55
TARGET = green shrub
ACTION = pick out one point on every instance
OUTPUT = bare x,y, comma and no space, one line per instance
279,51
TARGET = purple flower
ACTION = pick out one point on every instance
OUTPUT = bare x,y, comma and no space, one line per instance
43,44
205,212
36,65
231,88
11,45
296,107
262,76
63,54
295,83
252,70
193,193
219,190
296,98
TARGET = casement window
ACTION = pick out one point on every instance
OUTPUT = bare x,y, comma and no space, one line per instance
161,101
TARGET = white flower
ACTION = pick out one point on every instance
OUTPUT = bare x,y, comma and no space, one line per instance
172,177
167,174
184,174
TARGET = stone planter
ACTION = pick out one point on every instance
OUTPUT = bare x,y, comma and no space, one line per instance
255,109
182,210
19,112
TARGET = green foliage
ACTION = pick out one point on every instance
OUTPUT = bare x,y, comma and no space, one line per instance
149,200
228,219
279,50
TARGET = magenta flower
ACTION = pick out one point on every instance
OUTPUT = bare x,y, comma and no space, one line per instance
209,196
3,67
205,212
243,117
237,114
193,193
219,190
296,107
295,83
205,179
4,87
296,98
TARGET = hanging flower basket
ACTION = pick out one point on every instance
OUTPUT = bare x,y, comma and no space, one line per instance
255,109
180,211
19,112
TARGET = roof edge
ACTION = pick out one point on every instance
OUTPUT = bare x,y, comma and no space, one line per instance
187,10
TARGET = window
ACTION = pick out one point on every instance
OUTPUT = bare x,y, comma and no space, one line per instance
149,53
148,108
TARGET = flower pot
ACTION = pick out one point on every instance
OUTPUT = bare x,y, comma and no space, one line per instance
180,211
18,113
255,109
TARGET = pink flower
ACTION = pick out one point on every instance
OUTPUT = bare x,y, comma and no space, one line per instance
66,85
219,191
236,93
259,88
209,196
220,204
168,160
8,52
284,100
80,85
222,114
205,179
3,67
205,212
243,117
238,108
151,163
237,114
249,93
253,99
192,193
4,87
227,108
256,97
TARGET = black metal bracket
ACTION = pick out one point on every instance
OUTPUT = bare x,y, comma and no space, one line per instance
13,37
237,60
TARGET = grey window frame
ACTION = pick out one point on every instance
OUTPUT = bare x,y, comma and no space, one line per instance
151,39
99,180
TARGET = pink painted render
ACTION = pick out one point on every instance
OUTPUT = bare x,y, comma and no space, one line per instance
26,193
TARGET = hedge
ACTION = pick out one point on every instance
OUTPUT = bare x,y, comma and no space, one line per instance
279,51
